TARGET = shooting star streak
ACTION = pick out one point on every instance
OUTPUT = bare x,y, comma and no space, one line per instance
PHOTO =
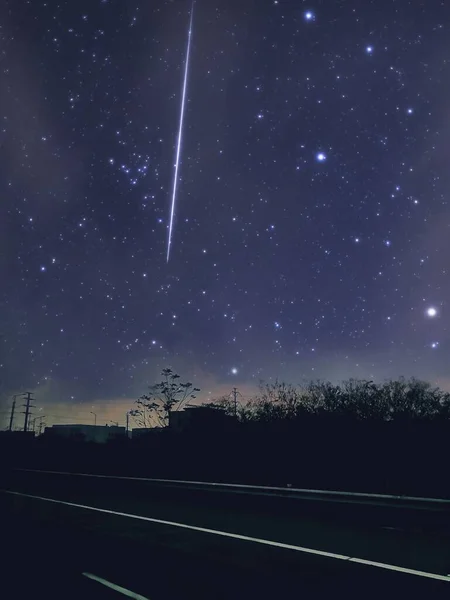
180,137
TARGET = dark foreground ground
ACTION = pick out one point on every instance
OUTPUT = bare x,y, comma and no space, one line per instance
48,546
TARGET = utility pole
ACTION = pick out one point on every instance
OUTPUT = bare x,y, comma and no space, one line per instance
13,408
235,393
41,425
27,406
128,421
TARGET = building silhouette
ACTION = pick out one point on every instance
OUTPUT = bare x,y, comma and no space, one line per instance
86,433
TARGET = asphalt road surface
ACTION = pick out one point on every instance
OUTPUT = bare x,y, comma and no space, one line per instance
71,549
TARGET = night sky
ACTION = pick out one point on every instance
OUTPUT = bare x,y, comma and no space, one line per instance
312,227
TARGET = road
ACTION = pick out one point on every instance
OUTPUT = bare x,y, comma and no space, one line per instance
158,547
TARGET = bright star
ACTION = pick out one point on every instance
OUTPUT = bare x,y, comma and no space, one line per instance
369,49
309,16
431,311
234,371
321,157
434,345
410,111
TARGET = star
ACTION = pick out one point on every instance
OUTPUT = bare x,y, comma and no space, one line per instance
431,312
309,16
369,49
234,371
321,157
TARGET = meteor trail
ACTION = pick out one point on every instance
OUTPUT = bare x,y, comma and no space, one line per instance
180,136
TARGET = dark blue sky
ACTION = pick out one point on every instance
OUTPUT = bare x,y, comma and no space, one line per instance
312,221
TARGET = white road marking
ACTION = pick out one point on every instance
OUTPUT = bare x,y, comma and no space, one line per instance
291,490
116,588
245,538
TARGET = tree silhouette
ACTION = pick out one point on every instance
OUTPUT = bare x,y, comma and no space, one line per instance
164,397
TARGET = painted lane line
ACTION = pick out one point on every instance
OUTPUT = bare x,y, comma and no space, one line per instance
238,536
116,588
287,490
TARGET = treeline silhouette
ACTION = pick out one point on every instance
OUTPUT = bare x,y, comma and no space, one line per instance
354,400
391,437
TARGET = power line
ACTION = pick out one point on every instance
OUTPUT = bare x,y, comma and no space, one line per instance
60,417
69,418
